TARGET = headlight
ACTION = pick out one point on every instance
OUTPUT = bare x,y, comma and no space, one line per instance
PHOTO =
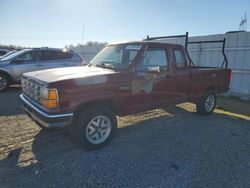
49,97
44,93
23,82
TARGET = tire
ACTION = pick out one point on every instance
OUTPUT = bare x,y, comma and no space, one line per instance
206,105
94,128
4,82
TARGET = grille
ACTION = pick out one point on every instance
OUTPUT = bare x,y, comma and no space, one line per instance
31,89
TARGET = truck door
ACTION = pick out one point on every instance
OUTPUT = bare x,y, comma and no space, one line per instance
158,81
149,89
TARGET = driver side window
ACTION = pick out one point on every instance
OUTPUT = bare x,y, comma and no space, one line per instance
153,57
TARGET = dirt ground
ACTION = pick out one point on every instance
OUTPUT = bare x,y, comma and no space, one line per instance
171,147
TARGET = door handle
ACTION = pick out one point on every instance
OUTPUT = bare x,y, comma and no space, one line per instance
38,65
168,76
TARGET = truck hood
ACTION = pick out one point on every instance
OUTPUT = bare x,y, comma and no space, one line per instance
82,75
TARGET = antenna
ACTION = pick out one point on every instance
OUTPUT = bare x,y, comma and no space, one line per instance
82,41
243,23
82,33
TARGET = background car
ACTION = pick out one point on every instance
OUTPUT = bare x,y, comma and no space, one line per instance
13,66
8,53
3,52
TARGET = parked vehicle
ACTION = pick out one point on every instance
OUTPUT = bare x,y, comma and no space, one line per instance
3,52
122,79
8,53
13,66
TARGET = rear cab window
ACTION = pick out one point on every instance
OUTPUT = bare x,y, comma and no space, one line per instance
179,58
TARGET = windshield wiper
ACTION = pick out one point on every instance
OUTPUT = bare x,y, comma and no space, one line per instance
106,66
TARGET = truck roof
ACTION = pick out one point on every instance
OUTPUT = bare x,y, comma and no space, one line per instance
145,42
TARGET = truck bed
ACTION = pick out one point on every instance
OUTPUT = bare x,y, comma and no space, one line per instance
203,67
203,78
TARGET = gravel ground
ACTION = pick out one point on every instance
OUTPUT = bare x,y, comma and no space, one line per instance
171,147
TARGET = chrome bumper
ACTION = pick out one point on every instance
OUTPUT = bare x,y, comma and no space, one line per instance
43,118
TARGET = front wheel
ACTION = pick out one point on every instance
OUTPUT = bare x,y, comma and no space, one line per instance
94,128
206,104
4,82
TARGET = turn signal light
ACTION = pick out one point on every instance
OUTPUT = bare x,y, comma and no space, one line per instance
49,103
49,98
52,94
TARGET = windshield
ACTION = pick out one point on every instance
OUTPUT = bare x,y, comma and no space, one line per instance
12,56
116,56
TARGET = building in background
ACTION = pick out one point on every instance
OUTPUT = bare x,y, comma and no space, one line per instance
237,49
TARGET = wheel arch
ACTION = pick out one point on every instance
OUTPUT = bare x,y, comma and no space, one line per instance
213,88
81,121
107,103
3,72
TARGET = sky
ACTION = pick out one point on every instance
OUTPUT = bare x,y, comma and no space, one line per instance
56,23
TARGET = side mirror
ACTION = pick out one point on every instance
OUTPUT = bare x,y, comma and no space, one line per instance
163,68
153,69
157,69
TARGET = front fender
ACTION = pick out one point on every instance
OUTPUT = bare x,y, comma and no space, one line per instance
85,99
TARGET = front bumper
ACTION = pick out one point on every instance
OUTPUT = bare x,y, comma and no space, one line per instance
45,119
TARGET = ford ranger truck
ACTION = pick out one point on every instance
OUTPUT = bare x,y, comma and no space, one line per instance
122,79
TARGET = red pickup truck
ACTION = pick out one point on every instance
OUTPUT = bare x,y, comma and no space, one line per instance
122,79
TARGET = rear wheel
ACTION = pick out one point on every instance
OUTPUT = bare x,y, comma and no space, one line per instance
94,128
4,82
206,104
